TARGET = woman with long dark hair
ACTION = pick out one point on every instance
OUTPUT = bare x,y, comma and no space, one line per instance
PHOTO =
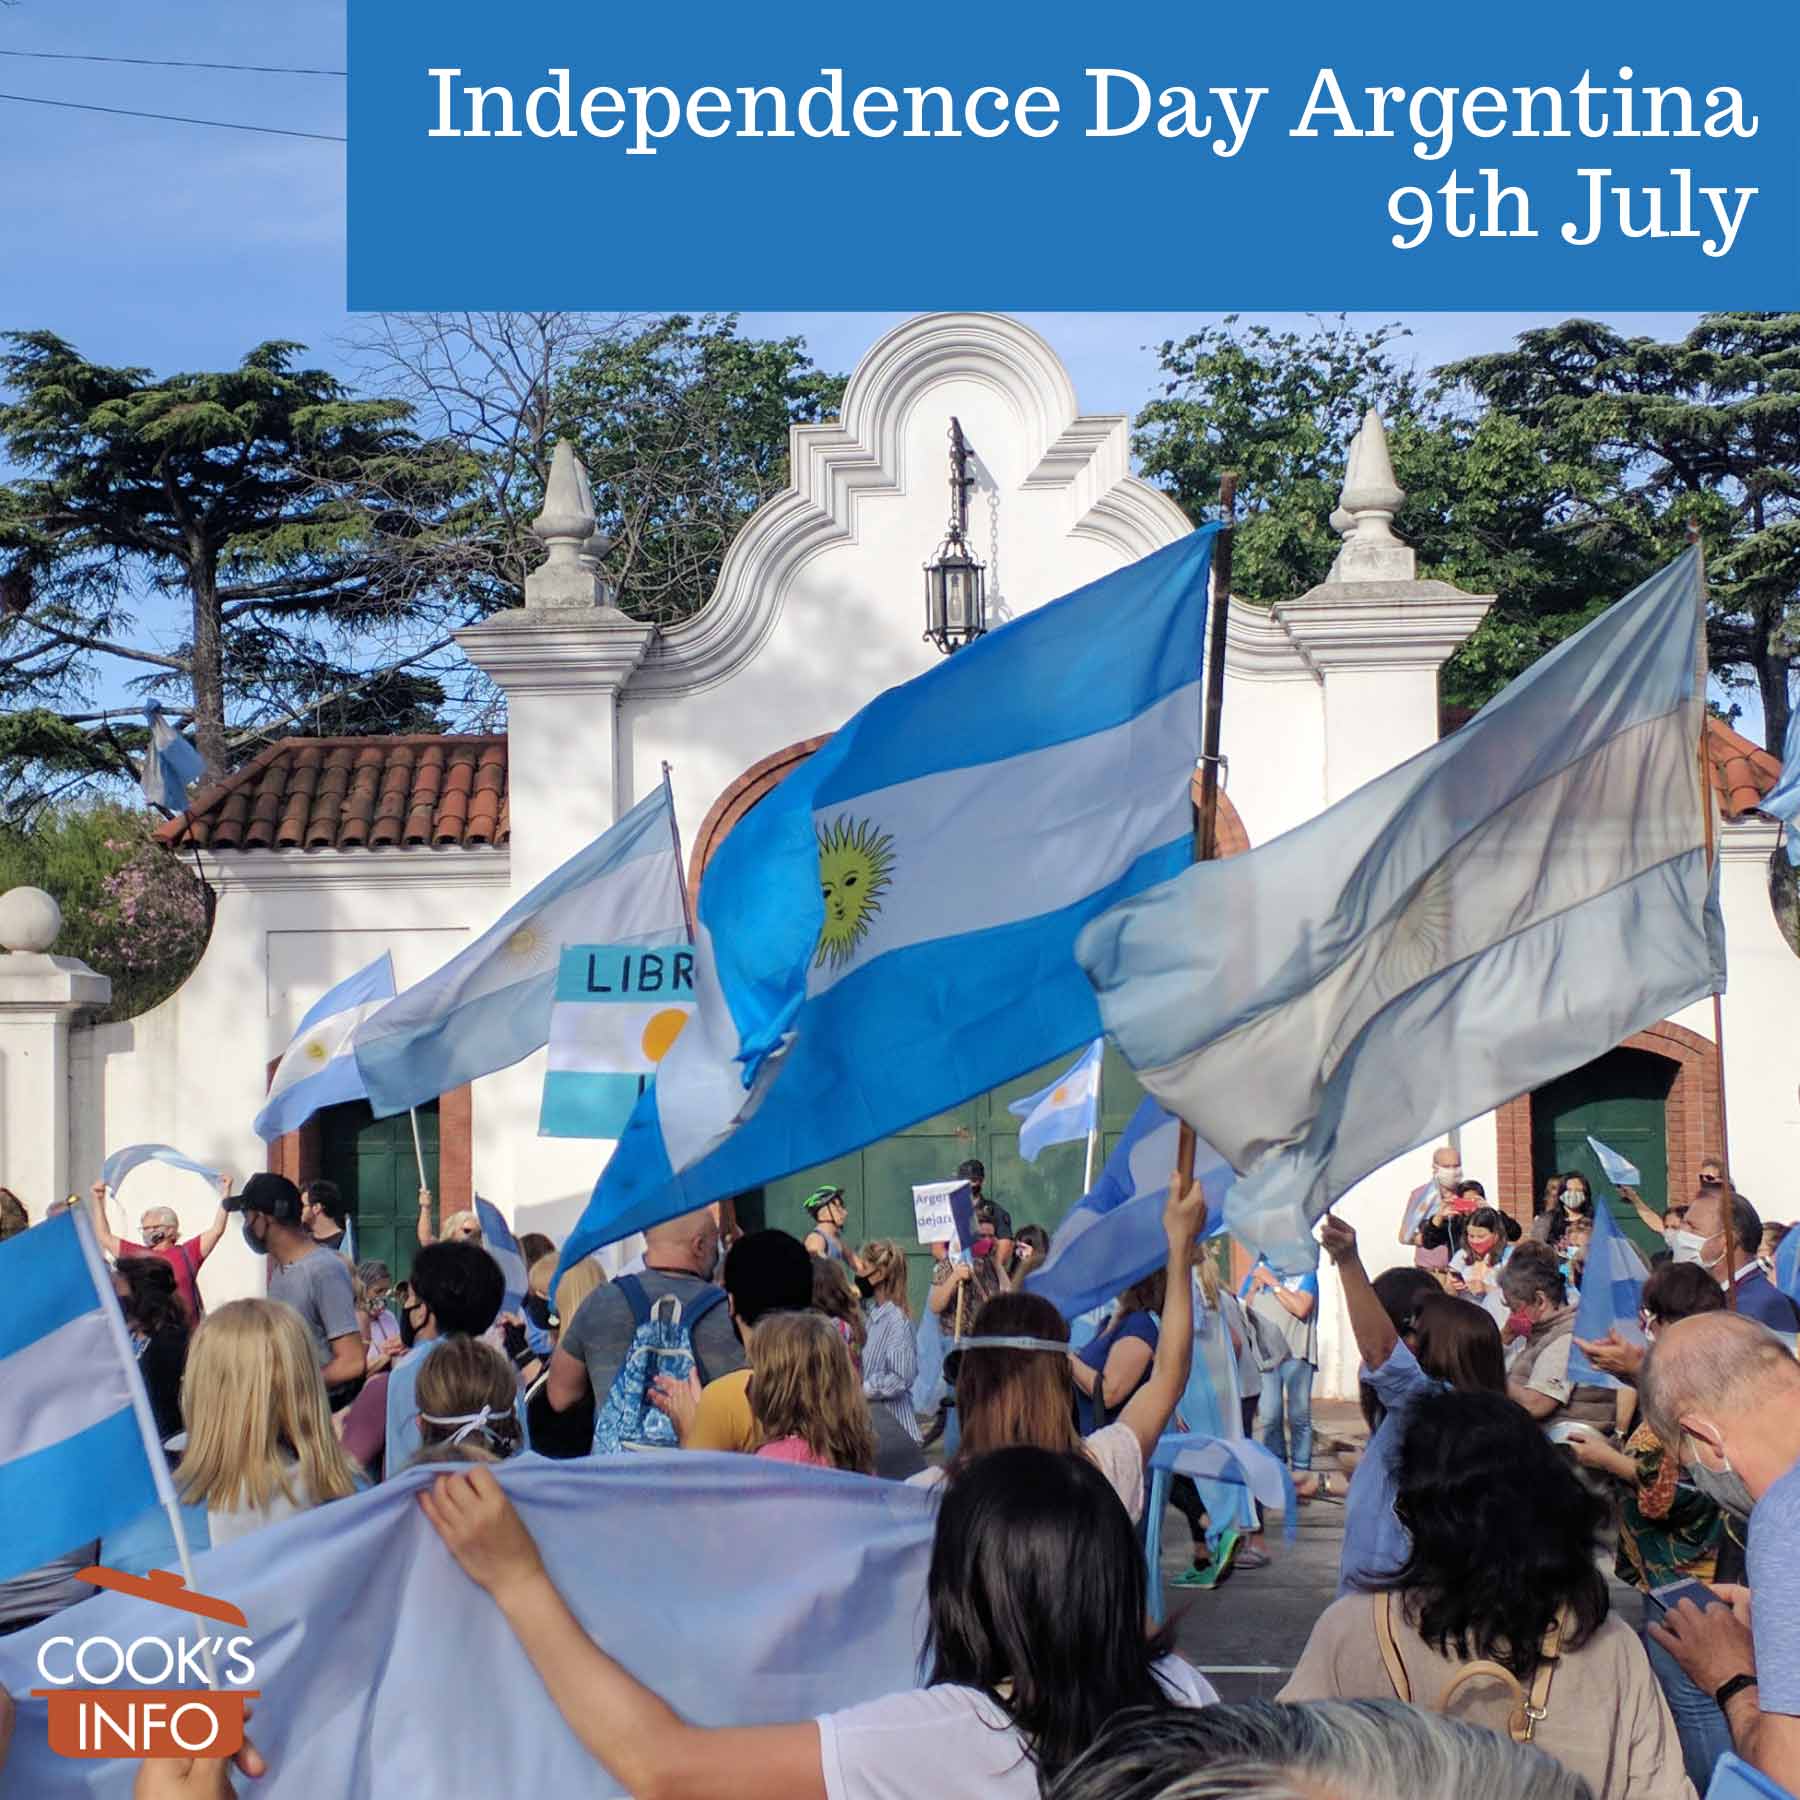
159,1333
1499,1613
1035,1601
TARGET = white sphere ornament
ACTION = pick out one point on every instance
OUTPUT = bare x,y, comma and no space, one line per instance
29,920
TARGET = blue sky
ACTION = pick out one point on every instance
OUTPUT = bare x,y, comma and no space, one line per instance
178,246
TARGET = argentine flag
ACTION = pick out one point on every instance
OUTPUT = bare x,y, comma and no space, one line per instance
892,929
1782,801
1068,1109
1321,1005
120,1164
489,1006
1614,1167
1115,1236
1612,1285
78,1447
171,763
317,1068
497,1239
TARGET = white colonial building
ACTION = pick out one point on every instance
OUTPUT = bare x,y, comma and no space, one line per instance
323,853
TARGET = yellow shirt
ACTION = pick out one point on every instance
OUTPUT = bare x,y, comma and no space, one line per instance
722,1420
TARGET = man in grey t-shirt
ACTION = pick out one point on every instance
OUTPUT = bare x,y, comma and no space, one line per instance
1725,1391
314,1281
678,1259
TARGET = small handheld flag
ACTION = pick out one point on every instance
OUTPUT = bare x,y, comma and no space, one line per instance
1065,1111
1614,1167
317,1068
1612,1285
497,1239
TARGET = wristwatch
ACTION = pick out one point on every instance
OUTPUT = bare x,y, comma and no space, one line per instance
1728,1691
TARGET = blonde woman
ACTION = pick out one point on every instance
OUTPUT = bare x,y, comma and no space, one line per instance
468,1404
582,1279
890,1362
805,1400
259,1441
457,1225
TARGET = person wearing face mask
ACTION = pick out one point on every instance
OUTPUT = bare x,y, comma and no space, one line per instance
1669,1531
1538,1377
1475,1269
314,1281
1725,1392
1430,1207
1701,1239
1574,1200
162,1238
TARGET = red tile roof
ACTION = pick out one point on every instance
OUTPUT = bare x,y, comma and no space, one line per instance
364,793
1741,771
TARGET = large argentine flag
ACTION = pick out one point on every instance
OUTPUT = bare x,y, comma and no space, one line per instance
317,1068
1612,1283
1115,1236
1068,1109
1782,801
76,1433
489,1007
892,930
1512,902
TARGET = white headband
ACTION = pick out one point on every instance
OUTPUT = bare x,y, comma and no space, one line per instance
467,1423
1007,1343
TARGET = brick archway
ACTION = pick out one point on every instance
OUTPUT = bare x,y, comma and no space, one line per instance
762,777
1690,1116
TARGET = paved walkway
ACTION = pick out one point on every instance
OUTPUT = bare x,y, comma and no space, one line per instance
1248,1632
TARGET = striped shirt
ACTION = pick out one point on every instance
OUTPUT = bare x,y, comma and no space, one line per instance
890,1365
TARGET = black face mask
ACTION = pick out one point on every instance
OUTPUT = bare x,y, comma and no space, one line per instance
258,1246
409,1332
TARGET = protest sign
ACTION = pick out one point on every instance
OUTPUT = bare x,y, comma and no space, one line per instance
943,1212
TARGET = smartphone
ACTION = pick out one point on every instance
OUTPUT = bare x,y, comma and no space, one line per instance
1666,1599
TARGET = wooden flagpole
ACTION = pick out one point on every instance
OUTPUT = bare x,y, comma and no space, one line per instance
1728,1203
1206,831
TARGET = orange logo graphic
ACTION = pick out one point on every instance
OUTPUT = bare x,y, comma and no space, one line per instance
98,1719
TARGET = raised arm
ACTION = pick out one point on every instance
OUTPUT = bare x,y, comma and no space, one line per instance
209,1238
1652,1220
648,1747
427,1232
1369,1322
109,1240
1149,1410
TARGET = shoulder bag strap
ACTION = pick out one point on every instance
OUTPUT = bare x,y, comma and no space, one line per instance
1390,1649
1528,1709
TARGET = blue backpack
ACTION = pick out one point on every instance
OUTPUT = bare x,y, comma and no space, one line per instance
663,1344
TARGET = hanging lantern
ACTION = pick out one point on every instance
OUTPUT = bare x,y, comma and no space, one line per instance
955,582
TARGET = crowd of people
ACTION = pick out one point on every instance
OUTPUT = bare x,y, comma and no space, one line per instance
1475,1639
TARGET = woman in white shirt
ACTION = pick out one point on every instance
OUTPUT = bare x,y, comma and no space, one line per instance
1036,1639
260,1446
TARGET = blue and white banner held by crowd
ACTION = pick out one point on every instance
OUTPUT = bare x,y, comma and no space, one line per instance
729,1626
78,1446
120,1164
891,930
619,1009
489,1006
1616,1168
1065,1111
1114,1235
318,1068
1612,1285
171,764
1368,980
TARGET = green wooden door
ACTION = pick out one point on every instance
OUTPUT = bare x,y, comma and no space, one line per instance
1620,1098
878,1181
373,1163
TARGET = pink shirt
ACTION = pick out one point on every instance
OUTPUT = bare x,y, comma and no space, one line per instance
185,1260
792,1450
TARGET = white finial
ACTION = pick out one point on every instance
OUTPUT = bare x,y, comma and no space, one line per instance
29,920
1365,512
565,526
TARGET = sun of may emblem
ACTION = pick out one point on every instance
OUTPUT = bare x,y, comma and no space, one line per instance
856,865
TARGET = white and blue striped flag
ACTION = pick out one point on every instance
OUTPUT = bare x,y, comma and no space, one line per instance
1114,1235
120,1164
1614,1167
318,1068
1782,801
497,1239
1067,1110
892,929
1323,1004
489,1007
78,1446
171,763
1612,1286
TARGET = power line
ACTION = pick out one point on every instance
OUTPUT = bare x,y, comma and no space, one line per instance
156,62
126,112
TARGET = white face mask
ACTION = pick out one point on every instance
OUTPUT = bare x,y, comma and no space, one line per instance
1449,1178
1685,1246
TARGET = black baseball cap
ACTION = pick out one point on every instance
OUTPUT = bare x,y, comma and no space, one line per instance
269,1193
